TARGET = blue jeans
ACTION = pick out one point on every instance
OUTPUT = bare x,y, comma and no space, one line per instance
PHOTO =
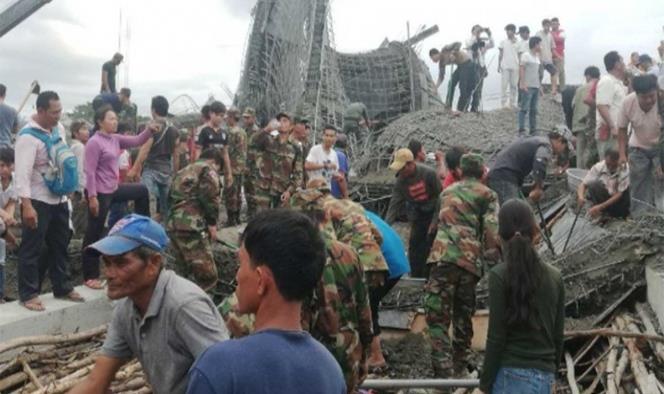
158,185
528,106
522,381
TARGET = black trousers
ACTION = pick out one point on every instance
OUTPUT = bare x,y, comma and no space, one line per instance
597,194
136,192
479,86
420,244
467,81
45,249
375,295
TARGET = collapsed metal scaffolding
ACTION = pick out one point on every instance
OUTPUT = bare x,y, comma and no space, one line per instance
291,65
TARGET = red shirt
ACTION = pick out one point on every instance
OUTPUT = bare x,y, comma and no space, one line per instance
559,39
450,179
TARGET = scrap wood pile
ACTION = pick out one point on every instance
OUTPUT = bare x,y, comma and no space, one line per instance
56,363
625,356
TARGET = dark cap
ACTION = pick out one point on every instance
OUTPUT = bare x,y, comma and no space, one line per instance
249,111
301,120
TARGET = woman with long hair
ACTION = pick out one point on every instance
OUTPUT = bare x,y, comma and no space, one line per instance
102,187
527,311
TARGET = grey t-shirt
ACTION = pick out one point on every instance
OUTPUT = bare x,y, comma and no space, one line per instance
161,152
181,323
8,124
532,69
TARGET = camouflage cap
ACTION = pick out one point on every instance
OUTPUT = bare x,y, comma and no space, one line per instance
249,111
472,162
301,119
319,184
307,199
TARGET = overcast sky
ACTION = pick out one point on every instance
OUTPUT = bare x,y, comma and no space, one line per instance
195,47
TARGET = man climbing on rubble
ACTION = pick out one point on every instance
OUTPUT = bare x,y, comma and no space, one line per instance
195,201
287,163
642,111
237,154
528,155
250,127
607,187
417,189
160,318
281,258
467,238
466,71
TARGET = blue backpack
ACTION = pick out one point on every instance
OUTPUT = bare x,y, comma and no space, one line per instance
62,176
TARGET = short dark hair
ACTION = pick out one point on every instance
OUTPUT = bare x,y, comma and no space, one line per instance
159,105
592,72
555,19
453,157
217,107
125,92
76,126
611,59
533,42
213,154
44,99
644,84
291,245
100,114
3,90
524,29
7,155
342,141
510,27
205,111
612,154
433,51
545,21
415,146
118,56
330,127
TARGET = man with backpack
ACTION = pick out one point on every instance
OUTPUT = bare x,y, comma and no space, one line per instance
45,174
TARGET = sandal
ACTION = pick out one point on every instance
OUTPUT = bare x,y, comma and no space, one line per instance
72,296
378,369
34,304
94,284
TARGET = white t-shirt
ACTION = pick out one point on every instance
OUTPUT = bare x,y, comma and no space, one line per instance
8,194
531,63
522,46
611,91
547,45
78,149
318,155
510,54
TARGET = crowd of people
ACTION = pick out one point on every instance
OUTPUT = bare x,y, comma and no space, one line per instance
313,264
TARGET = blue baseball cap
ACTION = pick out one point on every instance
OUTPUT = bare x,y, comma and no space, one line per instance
131,232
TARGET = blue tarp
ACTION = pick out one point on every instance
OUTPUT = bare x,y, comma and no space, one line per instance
392,247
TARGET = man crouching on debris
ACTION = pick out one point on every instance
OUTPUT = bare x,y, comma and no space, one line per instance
467,235
607,187
160,318
525,156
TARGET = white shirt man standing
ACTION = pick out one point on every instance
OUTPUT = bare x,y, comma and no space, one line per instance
508,66
611,92
322,160
547,54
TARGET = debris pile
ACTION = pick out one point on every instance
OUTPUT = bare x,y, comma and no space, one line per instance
55,364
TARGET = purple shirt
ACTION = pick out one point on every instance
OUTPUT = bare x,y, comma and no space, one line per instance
102,151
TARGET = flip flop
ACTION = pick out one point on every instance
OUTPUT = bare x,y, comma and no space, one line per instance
378,369
73,296
94,284
34,304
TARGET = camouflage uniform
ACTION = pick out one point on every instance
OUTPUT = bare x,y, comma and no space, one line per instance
259,162
239,325
195,201
287,169
249,190
237,153
129,115
467,233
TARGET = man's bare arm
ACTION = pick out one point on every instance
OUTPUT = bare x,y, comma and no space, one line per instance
137,167
101,376
104,80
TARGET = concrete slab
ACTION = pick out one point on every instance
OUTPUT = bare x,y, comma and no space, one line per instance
60,316
655,283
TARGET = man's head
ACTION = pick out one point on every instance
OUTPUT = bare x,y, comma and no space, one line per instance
131,255
214,156
524,32
476,30
300,124
117,58
79,131
634,58
125,95
535,44
329,136
417,149
561,139
472,166
6,162
546,25
453,160
434,55
591,73
555,23
281,260
644,62
645,87
3,91
614,64
249,117
612,160
216,113
404,163
342,141
205,113
232,116
285,122
510,30
159,106
49,109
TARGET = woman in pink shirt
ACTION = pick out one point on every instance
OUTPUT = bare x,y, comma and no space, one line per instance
102,183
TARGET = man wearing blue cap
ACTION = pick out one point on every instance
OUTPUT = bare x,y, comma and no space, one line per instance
160,318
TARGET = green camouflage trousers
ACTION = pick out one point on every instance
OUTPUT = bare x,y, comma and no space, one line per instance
194,259
250,196
449,299
239,325
233,199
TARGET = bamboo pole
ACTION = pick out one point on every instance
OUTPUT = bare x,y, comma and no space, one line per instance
571,380
604,332
51,339
657,348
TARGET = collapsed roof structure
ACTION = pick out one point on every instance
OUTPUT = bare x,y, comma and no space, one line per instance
291,65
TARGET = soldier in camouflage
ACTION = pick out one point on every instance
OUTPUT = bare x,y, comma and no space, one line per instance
259,161
300,137
237,153
467,236
287,164
195,200
249,124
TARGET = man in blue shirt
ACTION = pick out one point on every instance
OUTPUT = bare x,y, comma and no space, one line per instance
281,261
340,184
